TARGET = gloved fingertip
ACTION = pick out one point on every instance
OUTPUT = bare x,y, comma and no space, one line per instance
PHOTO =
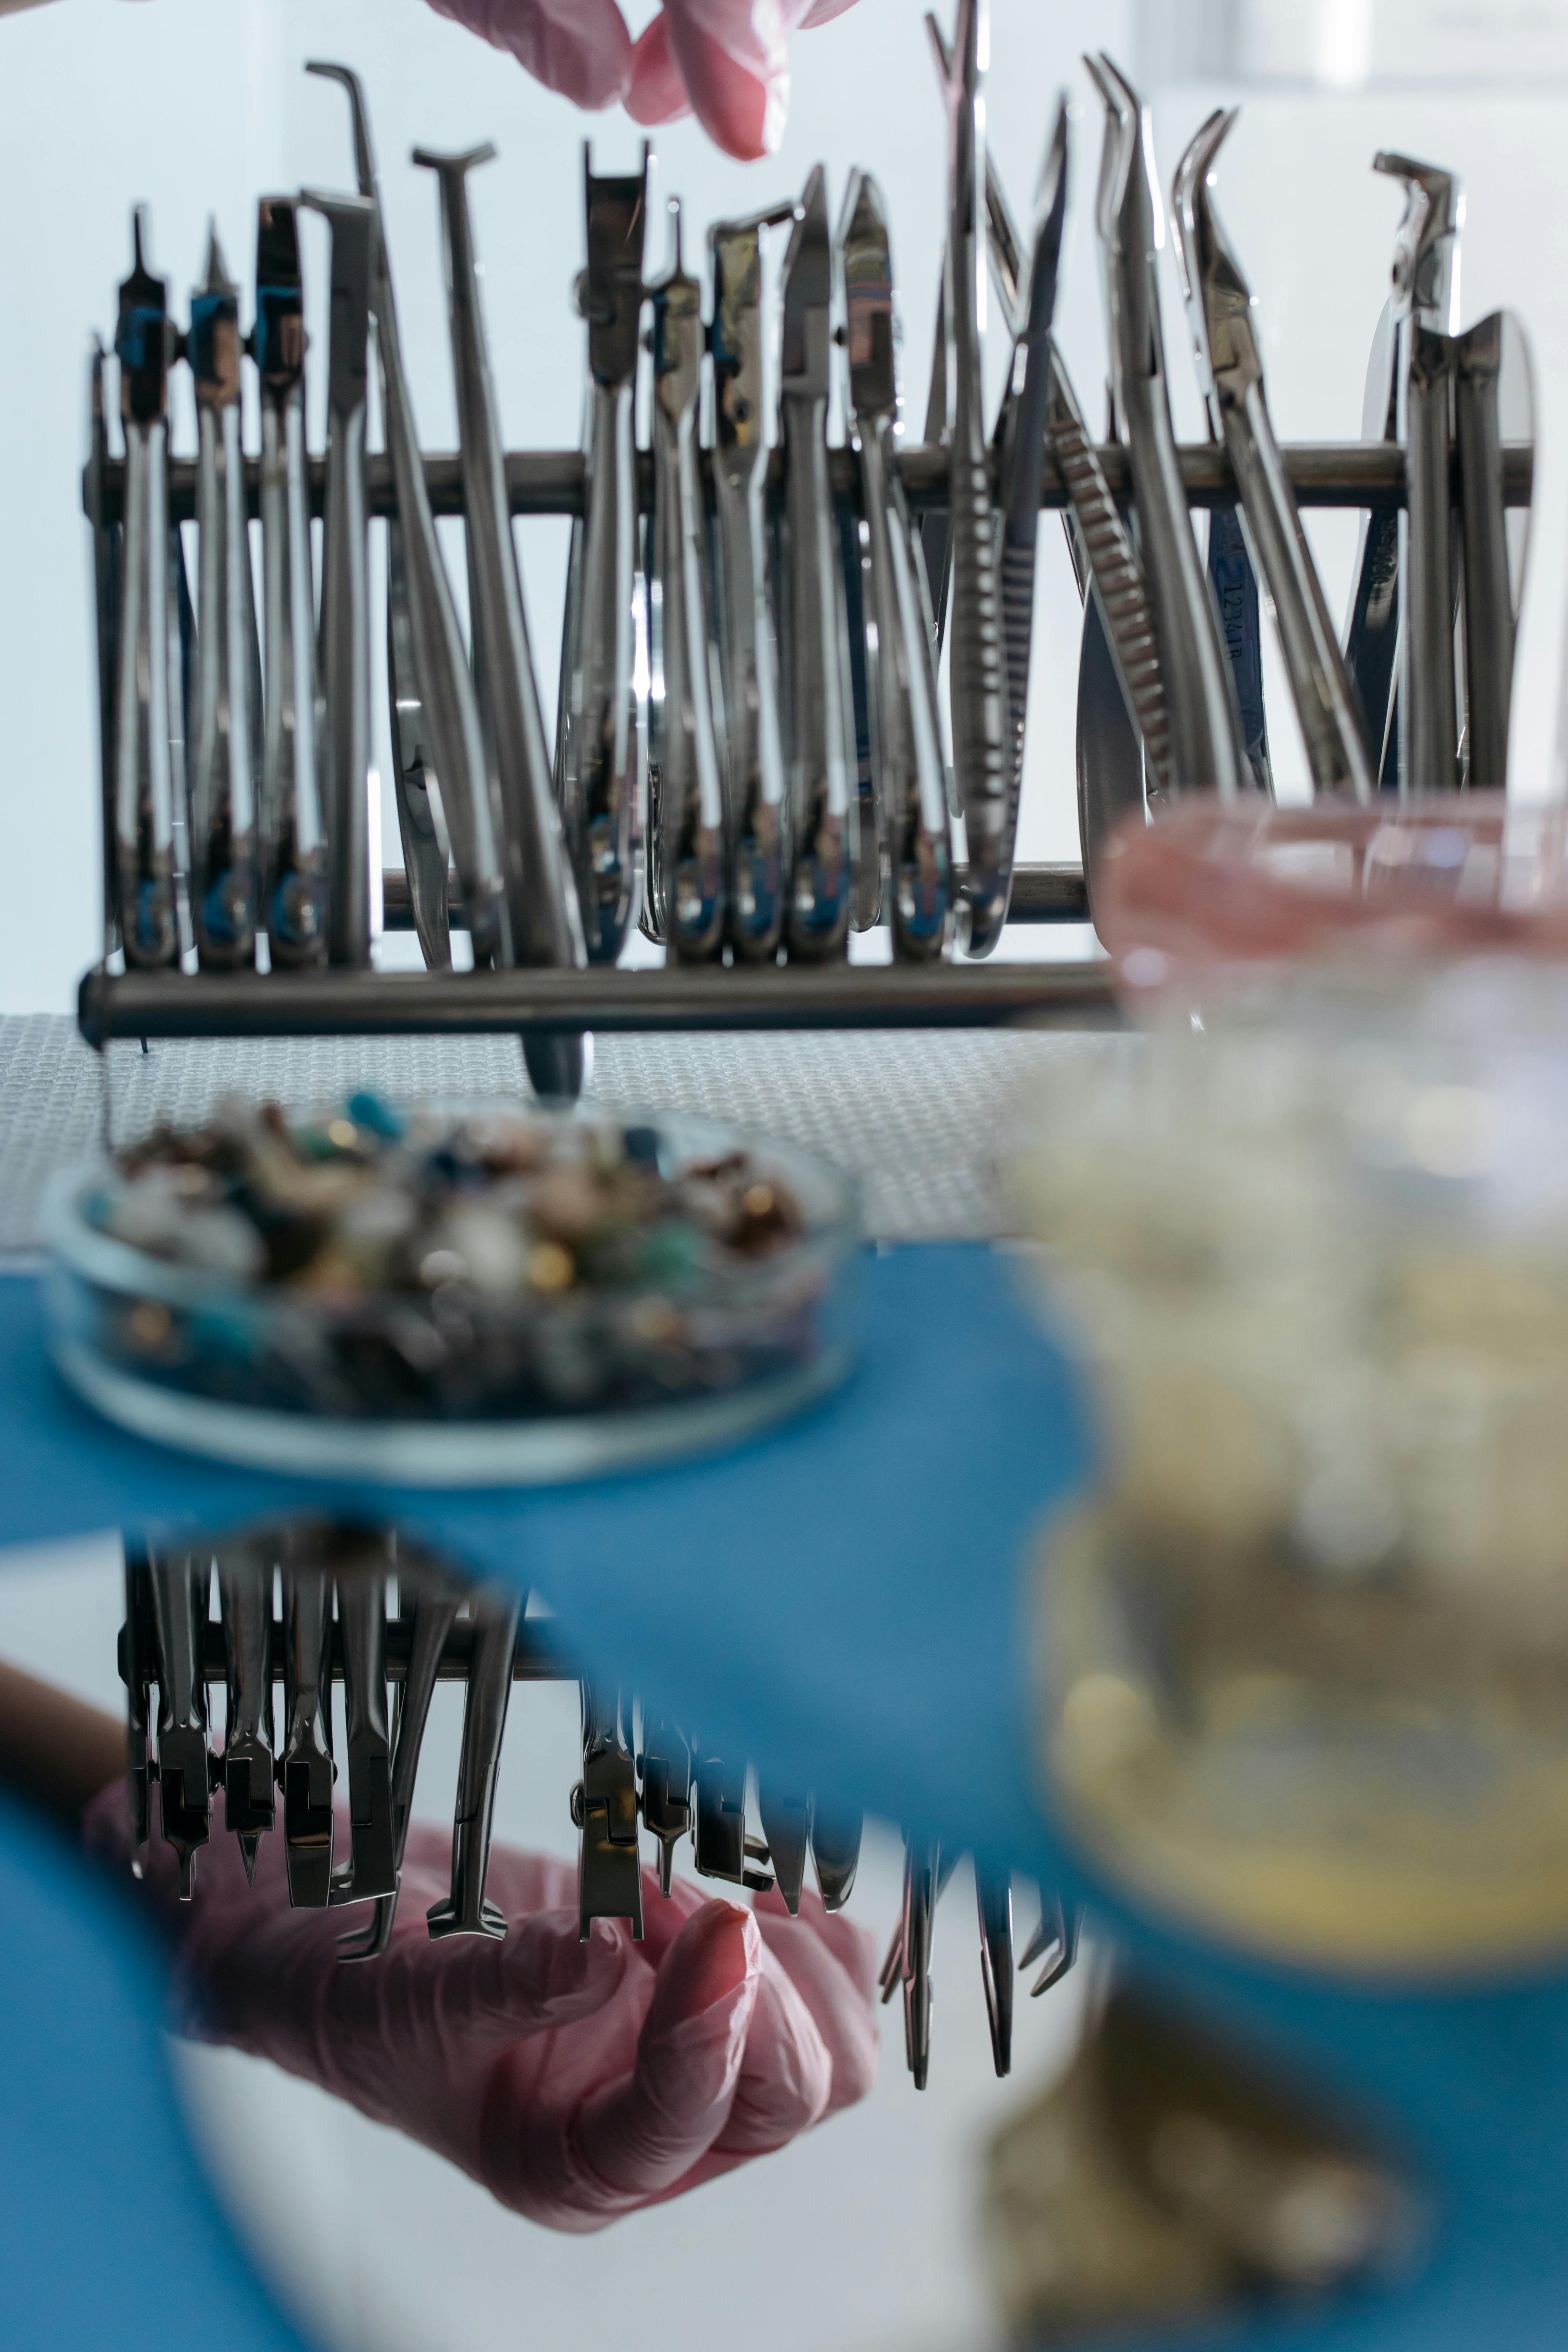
657,93
741,101
716,1957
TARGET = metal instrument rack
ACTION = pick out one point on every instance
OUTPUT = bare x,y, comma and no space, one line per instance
169,1004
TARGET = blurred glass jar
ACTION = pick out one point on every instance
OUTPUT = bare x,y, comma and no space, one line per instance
1305,1655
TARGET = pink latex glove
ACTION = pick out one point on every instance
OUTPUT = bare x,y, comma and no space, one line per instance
727,61
577,2081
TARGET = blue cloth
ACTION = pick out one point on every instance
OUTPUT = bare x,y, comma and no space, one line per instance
843,1600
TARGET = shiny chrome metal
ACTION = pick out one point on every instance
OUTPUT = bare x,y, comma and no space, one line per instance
360,1564
222,782
293,851
836,1851
306,1771
1230,363
497,1613
1054,1941
601,757
1489,613
754,779
106,579
1115,575
721,1847
143,784
443,745
546,924
1206,751
993,1900
786,1833
1371,628
1024,427
1424,299
665,1765
180,1587
244,1607
921,1861
605,1806
345,583
978,678
934,523
686,853
818,740
910,811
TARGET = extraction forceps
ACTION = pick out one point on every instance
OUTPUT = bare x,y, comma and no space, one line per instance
546,924
144,781
1206,732
497,1613
820,741
360,1573
686,846
981,747
244,1608
1429,679
605,1808
223,774
292,853
754,779
597,761
1481,357
427,1604
665,1766
181,1587
1219,304
1424,285
345,583
442,777
306,1771
1122,727
107,547
911,811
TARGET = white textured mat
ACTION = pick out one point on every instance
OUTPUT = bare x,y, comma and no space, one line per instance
918,1117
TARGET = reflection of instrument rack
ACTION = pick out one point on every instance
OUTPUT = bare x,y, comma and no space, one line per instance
388,1625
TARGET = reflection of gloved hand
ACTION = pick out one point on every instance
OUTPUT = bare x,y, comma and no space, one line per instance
724,59
576,2081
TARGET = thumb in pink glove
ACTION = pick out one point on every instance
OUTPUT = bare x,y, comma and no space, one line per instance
577,2080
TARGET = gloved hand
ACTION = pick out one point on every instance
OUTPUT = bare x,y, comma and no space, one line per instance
577,2081
726,60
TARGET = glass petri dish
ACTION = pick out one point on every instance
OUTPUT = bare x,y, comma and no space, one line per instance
478,1387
